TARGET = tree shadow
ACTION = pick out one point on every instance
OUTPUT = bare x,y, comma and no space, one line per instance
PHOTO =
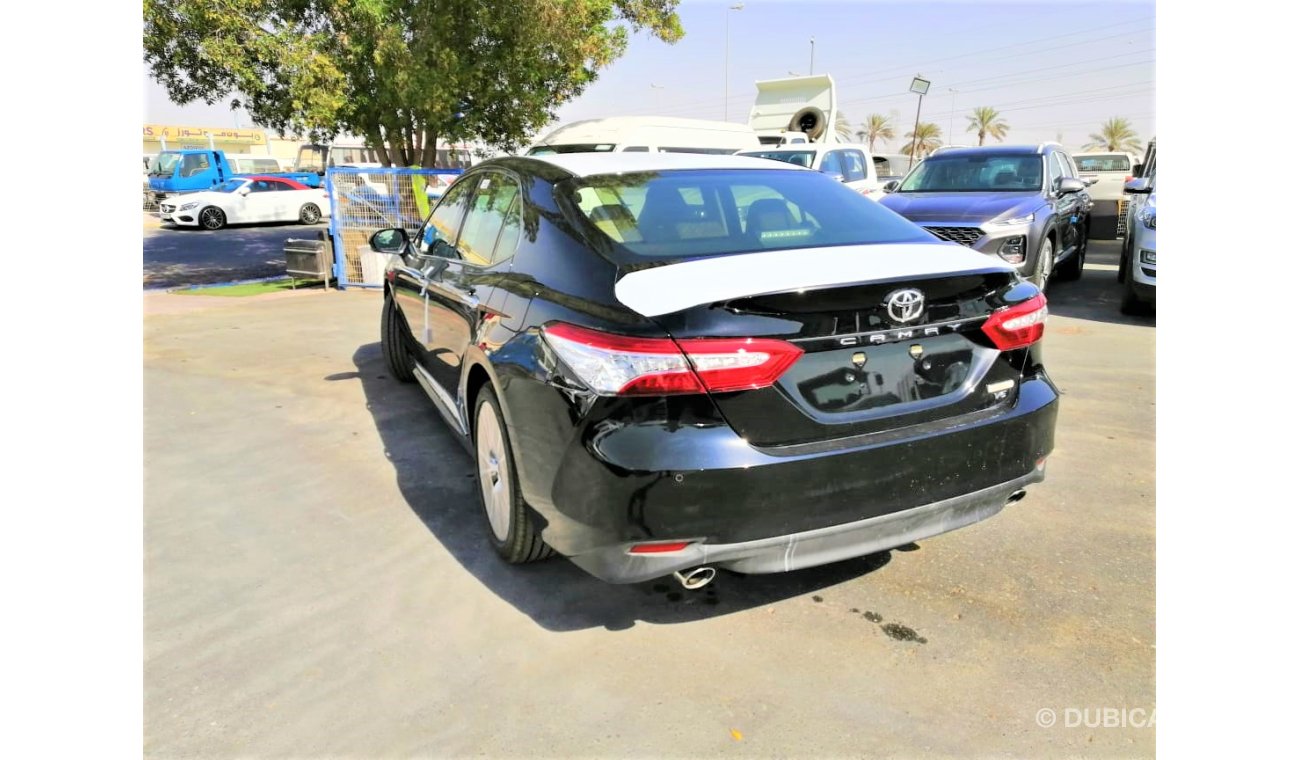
179,256
435,476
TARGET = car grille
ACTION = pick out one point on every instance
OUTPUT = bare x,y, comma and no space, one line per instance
964,235
166,209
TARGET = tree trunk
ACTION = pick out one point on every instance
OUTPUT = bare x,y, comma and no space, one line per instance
429,159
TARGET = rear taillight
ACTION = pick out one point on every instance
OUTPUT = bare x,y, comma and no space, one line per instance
621,365
1017,326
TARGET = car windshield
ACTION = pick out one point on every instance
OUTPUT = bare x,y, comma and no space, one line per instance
802,158
164,164
674,214
229,186
974,174
1102,163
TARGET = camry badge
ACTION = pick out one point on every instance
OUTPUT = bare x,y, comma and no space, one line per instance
905,305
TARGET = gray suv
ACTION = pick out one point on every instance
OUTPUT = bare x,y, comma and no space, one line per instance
1025,204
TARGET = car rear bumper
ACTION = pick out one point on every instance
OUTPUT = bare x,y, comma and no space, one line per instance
796,551
633,480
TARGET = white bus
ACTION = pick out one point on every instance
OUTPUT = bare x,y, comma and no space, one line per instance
314,157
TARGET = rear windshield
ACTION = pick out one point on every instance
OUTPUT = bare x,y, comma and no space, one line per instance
980,173
674,214
802,158
1102,163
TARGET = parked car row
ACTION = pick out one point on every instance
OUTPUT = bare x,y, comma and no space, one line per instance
242,200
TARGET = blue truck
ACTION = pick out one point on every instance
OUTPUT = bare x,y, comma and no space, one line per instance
174,172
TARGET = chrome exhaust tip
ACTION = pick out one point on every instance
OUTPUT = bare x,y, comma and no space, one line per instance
1015,497
695,578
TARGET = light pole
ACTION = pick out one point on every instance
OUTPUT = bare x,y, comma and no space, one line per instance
919,86
952,112
812,51
726,59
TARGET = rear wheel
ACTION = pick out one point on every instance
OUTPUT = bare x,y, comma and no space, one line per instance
509,530
310,214
212,218
392,334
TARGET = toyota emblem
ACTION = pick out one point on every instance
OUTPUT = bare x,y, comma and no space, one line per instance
905,305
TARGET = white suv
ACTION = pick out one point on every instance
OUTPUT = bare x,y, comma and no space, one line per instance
849,163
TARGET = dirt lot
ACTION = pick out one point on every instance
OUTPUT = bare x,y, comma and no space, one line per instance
317,579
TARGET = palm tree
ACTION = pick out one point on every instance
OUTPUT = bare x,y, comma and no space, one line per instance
842,127
1116,135
925,139
988,123
877,127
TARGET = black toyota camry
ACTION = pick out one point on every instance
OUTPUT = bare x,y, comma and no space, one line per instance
669,363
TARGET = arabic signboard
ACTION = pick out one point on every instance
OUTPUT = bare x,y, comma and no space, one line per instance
172,133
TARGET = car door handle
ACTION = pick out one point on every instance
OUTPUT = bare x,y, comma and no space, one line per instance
465,297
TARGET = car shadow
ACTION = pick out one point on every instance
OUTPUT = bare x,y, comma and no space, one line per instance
436,479
1096,295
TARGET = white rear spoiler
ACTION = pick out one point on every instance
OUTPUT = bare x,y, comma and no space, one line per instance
675,287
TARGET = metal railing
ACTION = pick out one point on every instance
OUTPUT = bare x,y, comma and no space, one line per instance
365,200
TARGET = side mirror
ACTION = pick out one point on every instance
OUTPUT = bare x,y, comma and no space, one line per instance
390,241
1140,185
890,186
1070,185
245,190
1090,181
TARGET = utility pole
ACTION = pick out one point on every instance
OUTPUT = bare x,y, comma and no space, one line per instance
726,60
952,113
812,52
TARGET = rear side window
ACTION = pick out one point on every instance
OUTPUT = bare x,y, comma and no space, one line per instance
831,164
494,195
1102,163
855,167
715,212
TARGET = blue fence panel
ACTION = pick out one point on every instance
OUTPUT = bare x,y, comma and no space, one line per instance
364,200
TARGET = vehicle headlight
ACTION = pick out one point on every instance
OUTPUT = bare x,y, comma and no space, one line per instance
1147,257
1013,250
1148,217
188,206
1012,222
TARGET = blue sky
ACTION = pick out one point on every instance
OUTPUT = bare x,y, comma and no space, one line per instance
1055,70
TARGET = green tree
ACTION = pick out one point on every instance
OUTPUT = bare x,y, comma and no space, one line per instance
877,127
924,140
403,74
988,123
1116,135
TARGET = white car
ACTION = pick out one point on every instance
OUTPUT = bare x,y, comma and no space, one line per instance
243,200
849,163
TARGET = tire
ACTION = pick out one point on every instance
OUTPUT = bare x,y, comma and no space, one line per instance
1131,304
1072,269
1122,274
510,531
212,218
309,214
1043,264
392,338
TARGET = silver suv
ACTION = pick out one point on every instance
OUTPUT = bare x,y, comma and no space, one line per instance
1137,265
